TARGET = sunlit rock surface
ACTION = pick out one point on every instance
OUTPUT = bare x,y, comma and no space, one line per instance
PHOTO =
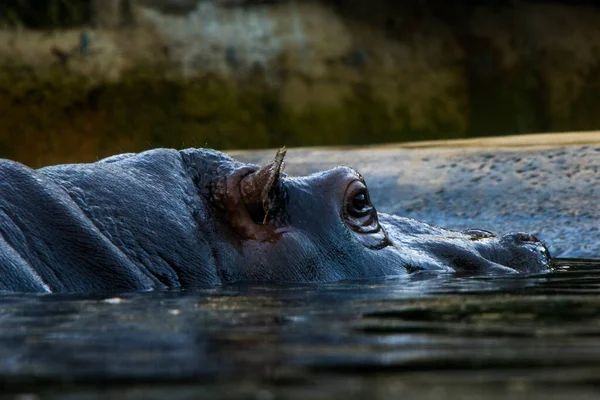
550,190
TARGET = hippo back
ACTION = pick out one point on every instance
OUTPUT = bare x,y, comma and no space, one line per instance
131,222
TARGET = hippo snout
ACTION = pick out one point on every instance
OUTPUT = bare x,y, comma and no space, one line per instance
524,237
470,251
523,252
519,251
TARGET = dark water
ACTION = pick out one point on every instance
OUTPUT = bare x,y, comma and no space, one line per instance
423,337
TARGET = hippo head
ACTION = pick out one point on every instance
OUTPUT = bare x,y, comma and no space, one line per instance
323,227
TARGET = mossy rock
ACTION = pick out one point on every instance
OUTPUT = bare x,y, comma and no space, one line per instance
55,117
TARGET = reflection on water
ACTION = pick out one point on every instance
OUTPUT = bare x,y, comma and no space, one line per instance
425,336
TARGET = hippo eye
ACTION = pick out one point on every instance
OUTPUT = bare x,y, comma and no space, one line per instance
359,205
358,212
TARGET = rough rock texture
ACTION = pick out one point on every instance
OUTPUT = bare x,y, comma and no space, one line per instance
551,191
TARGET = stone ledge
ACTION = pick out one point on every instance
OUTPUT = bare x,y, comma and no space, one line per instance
531,140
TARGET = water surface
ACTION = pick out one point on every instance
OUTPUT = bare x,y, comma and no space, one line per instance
425,336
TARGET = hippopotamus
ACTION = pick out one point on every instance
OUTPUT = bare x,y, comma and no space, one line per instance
166,218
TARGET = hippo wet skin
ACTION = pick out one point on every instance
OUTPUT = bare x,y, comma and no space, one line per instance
168,219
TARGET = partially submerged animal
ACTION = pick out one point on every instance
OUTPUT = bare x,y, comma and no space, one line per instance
168,219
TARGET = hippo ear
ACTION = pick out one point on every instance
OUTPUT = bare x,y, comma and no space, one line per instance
260,189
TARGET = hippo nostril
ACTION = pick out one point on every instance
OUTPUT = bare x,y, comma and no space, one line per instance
526,237
477,234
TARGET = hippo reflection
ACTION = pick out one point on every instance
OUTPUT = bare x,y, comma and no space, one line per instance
166,219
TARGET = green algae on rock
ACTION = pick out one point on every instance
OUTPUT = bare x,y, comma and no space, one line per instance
53,116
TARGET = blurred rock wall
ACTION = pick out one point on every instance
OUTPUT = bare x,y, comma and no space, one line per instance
243,73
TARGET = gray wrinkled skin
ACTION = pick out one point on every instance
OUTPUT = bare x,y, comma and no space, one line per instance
153,221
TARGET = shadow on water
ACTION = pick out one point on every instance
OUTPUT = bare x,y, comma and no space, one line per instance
423,336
